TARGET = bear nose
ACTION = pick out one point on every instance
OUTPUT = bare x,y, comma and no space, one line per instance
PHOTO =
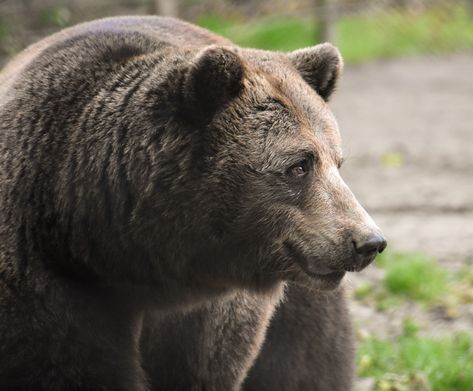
375,243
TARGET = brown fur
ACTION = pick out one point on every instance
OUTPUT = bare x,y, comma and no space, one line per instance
210,347
308,347
148,165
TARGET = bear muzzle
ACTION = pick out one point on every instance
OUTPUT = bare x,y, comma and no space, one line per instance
366,251
353,256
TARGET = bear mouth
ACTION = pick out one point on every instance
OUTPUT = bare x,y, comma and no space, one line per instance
326,280
313,268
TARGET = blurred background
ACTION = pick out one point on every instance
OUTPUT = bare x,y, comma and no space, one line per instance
405,110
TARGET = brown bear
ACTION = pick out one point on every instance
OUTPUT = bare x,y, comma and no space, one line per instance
152,171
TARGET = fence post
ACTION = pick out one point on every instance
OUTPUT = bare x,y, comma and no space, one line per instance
164,7
469,4
325,18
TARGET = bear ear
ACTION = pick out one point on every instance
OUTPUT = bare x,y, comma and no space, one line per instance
320,66
215,78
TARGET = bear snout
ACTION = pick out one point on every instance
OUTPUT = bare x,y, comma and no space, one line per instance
351,254
366,251
375,243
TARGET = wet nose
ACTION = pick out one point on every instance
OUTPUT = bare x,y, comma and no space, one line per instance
375,243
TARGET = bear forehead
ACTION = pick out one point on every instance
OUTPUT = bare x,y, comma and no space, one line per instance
273,77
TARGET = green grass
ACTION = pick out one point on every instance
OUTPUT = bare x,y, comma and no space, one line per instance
412,362
360,38
414,276
418,363
398,34
271,34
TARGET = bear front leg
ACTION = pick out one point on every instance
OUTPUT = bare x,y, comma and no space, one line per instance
309,345
210,348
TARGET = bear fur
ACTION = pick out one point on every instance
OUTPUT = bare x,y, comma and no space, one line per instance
153,175
308,345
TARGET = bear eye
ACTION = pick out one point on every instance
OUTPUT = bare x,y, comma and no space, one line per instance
300,169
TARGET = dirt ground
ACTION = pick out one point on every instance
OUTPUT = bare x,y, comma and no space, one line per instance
407,128
422,109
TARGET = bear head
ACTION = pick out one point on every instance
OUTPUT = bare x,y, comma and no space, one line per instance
260,198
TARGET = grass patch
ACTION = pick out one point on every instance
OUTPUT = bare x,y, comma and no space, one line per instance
418,363
271,33
383,35
377,297
360,38
414,276
412,362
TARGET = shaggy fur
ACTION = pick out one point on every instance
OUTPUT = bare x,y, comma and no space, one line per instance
148,169
308,346
208,348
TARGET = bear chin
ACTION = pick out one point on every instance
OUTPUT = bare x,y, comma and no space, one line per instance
326,282
319,282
